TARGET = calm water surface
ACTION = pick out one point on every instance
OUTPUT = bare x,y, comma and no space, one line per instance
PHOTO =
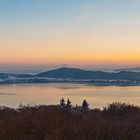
97,96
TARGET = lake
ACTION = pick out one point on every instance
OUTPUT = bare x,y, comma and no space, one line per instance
97,96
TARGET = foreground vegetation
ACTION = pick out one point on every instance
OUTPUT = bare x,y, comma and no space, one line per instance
63,122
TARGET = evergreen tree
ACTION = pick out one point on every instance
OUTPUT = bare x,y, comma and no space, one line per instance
85,105
69,104
62,103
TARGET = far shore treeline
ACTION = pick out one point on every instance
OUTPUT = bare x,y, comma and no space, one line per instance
64,74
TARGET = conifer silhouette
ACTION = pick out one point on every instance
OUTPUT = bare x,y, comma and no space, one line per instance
85,105
69,104
62,103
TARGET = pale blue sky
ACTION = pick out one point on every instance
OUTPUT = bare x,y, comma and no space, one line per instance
68,29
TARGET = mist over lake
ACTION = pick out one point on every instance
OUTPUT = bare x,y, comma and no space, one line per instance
97,96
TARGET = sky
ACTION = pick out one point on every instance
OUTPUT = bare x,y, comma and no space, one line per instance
40,34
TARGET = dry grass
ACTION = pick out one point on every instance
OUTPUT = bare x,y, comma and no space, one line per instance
116,122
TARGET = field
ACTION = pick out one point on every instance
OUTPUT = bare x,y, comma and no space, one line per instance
115,122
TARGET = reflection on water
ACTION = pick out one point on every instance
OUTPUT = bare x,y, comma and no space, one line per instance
97,96
7,94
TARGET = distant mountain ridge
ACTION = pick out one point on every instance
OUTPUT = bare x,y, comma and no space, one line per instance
135,69
66,74
75,73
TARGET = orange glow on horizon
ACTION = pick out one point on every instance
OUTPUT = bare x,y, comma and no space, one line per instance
66,49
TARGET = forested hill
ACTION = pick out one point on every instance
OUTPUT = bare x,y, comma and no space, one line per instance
65,74
75,73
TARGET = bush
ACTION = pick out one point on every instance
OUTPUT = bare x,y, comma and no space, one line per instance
115,122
